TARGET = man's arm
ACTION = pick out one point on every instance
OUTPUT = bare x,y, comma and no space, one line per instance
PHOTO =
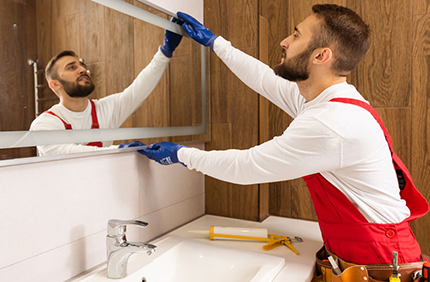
255,74
305,148
63,149
117,108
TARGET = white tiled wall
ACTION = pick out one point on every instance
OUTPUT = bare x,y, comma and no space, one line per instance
53,214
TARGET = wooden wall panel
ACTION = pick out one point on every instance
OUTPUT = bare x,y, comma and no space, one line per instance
398,122
215,15
18,32
234,105
384,75
218,198
421,7
421,121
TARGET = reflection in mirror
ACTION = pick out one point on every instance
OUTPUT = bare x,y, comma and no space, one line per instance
115,46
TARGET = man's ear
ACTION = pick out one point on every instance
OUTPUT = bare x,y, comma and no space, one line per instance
322,56
54,85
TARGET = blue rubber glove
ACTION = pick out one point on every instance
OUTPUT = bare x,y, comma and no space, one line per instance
197,31
164,153
131,144
171,40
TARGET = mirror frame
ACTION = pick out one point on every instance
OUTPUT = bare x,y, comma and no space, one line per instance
19,139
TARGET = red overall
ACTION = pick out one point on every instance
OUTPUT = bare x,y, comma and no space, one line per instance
348,234
93,126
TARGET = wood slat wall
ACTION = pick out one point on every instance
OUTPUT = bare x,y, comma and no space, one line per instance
394,77
18,35
116,47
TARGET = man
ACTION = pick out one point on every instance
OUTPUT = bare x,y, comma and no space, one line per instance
336,141
69,78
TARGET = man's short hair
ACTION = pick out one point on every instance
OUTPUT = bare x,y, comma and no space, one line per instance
345,31
51,70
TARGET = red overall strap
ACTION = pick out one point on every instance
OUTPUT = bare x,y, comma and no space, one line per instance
66,125
415,201
95,123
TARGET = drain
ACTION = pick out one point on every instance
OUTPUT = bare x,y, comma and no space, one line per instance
144,279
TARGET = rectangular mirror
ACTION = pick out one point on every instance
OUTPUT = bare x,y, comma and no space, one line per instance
117,39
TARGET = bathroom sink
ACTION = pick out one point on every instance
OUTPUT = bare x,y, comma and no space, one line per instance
178,260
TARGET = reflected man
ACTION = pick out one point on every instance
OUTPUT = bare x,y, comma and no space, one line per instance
70,80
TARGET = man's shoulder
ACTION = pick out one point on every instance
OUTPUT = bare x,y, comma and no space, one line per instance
47,121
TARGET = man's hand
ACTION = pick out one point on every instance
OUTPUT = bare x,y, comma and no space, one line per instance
171,40
131,144
197,31
164,153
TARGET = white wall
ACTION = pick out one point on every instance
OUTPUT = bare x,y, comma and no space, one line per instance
54,214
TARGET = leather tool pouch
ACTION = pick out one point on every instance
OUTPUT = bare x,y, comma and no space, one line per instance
352,272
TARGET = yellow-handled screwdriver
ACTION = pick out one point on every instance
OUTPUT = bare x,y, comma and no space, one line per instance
395,277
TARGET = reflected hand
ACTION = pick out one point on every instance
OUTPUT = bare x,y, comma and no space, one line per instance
197,31
164,153
131,144
171,40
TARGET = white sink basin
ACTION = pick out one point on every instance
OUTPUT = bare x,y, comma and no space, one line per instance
181,260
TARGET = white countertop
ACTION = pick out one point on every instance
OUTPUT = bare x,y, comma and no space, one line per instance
297,268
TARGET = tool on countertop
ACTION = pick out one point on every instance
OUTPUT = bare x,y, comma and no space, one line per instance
252,234
395,277
426,272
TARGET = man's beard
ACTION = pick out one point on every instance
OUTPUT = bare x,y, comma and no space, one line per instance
76,90
296,68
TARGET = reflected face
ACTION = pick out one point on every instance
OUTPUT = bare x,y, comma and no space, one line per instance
296,52
74,77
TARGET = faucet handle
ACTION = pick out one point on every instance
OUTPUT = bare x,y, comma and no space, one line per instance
116,227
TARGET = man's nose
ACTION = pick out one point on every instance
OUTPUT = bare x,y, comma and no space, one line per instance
285,43
83,70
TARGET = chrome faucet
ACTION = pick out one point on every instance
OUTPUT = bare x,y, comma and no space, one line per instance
119,250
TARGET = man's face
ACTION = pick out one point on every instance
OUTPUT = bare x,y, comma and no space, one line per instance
296,53
74,77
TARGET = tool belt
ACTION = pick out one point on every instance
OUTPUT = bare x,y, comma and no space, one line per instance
351,272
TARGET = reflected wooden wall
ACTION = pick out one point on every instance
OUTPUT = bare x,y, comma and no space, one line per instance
394,77
116,47
18,35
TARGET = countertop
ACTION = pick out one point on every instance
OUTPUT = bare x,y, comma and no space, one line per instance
297,268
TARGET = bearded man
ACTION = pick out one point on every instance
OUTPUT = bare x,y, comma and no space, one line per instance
362,193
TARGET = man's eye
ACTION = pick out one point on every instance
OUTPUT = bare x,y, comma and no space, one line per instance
295,35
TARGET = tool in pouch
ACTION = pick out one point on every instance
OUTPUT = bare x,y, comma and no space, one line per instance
395,277
250,234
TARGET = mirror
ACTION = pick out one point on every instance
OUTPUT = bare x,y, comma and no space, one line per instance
116,45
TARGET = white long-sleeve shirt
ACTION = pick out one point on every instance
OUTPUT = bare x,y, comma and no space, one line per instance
112,110
343,142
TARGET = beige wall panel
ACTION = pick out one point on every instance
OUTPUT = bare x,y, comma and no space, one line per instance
421,121
384,75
